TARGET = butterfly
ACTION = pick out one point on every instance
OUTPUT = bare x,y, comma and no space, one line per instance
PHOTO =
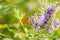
26,21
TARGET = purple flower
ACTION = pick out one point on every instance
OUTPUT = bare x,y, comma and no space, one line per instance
48,14
36,21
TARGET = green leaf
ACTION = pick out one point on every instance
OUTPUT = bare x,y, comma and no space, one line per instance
4,10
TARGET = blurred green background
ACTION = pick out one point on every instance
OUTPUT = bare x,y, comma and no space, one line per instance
12,14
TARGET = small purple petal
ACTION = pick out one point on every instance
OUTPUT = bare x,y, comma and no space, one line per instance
50,8
38,28
33,25
47,16
47,30
37,24
39,17
57,22
30,19
55,26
